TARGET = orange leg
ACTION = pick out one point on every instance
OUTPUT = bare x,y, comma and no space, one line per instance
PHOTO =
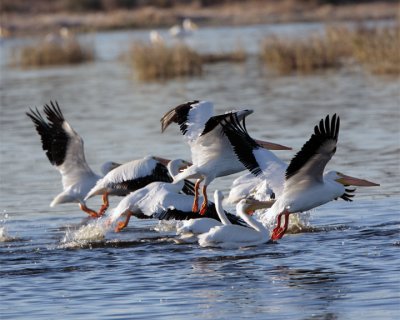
121,225
195,207
203,208
90,212
279,231
105,205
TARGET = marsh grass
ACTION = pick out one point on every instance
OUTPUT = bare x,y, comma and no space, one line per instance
378,49
375,48
300,55
161,62
48,53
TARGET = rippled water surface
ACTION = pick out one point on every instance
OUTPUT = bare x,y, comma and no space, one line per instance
56,262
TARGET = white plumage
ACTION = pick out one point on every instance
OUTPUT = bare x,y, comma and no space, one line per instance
306,186
129,177
234,236
64,149
219,144
184,30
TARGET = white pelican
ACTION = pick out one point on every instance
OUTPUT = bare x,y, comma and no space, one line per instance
233,236
306,187
219,144
156,38
163,201
64,149
184,30
132,176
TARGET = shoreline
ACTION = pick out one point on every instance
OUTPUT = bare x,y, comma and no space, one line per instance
246,13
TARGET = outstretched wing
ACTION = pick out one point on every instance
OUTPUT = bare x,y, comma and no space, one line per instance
243,145
63,146
316,152
190,116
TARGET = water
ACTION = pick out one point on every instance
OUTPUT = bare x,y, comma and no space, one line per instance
55,261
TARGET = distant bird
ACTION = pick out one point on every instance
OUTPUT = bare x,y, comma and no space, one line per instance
233,236
306,187
219,144
62,37
184,30
132,176
64,149
163,201
156,38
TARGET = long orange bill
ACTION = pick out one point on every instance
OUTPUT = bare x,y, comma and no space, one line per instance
272,146
351,181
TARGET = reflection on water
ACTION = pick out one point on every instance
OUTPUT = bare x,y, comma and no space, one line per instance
54,260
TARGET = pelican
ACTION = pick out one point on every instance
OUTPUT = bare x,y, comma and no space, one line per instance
233,236
64,149
184,30
219,144
201,225
132,176
156,38
163,201
306,187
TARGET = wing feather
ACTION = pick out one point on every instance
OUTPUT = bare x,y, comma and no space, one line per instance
242,144
317,151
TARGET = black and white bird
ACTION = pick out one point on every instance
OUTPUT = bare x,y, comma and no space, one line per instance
131,176
64,149
162,201
218,145
306,185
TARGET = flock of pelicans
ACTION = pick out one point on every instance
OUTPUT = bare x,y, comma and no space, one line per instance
220,145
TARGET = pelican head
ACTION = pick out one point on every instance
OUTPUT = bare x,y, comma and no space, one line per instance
348,180
108,166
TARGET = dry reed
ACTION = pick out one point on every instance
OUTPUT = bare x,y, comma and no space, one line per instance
302,56
378,49
161,62
49,53
375,48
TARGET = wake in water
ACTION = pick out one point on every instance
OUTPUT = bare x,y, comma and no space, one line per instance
92,232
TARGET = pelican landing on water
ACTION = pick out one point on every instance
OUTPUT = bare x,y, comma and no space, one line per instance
218,144
64,149
306,186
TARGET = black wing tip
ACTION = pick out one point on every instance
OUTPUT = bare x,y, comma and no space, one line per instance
53,112
177,115
328,127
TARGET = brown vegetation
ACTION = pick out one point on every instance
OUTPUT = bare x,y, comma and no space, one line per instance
160,62
53,53
377,49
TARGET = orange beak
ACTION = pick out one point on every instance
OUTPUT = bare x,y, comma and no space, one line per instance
351,181
272,146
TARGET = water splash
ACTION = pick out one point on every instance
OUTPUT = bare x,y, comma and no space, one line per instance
167,226
298,222
4,237
95,231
